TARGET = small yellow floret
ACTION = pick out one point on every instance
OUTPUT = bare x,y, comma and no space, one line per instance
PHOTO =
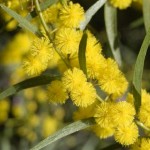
56,92
42,49
126,134
112,80
123,113
33,66
71,15
72,79
144,113
83,95
121,4
141,144
67,40
103,115
103,133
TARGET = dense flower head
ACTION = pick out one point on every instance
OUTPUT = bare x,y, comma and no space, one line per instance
67,40
123,113
103,133
121,4
72,79
33,66
51,13
126,134
84,95
42,48
56,92
71,15
112,80
85,112
141,144
144,114
103,115
37,59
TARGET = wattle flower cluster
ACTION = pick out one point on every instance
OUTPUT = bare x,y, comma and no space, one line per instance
115,115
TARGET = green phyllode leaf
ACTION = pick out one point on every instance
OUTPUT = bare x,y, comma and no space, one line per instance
82,53
44,5
91,12
32,82
110,16
138,71
22,21
146,14
72,128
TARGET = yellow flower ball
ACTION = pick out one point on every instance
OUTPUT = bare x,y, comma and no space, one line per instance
57,92
126,134
121,4
103,133
71,15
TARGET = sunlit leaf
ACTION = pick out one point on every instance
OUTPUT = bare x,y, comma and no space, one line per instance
22,21
138,71
72,128
32,82
110,14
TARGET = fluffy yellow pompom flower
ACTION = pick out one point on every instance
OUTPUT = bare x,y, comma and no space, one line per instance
83,95
144,114
57,93
37,60
121,4
71,15
42,49
141,144
67,40
123,113
83,113
33,66
112,80
93,50
51,13
103,133
103,115
72,79
126,134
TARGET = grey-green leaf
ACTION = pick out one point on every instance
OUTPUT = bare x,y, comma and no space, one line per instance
72,128
44,5
91,12
138,71
146,13
22,21
82,53
110,16
32,82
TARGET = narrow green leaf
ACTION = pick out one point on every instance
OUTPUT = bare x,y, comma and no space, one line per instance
22,21
110,15
138,71
32,82
72,128
82,53
91,12
44,5
146,13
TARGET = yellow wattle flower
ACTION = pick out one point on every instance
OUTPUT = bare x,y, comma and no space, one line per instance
57,92
71,15
126,134
121,4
